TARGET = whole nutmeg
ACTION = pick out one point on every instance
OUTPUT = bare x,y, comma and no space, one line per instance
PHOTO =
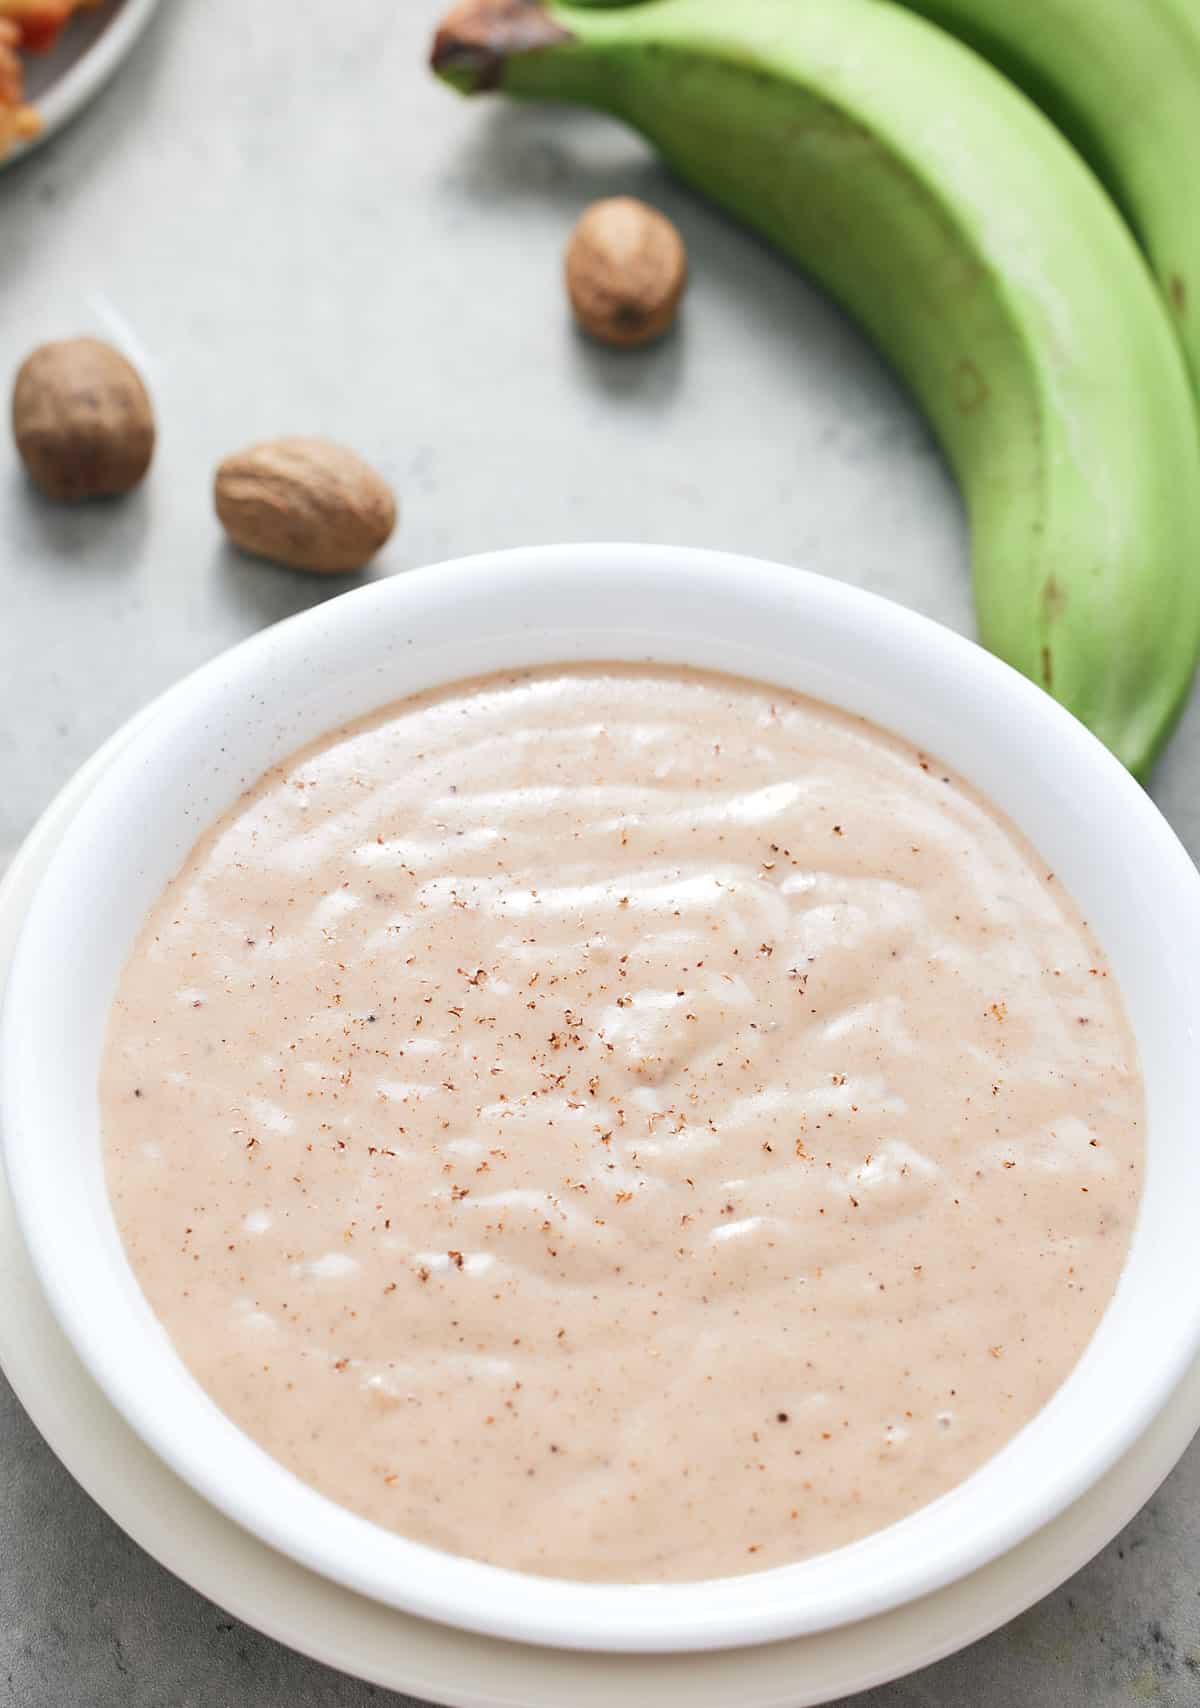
82,420
307,503
626,271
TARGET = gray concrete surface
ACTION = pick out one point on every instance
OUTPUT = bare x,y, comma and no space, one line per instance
292,228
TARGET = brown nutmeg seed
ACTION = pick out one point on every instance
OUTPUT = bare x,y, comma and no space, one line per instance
82,420
305,502
626,271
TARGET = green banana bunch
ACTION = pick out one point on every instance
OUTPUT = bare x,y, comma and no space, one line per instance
948,215
1121,78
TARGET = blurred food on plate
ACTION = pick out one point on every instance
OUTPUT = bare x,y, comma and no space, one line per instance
26,26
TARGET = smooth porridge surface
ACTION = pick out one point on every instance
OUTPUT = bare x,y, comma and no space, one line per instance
622,1122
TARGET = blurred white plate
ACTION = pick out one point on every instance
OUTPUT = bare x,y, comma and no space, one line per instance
91,47
429,1661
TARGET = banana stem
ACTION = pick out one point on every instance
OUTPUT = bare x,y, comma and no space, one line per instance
478,37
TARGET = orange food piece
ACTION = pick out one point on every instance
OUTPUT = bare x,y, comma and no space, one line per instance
40,22
32,26
17,121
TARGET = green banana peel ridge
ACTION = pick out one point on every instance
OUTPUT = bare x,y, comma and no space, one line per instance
1122,82
949,217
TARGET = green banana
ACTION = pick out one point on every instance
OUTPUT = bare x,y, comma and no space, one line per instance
1121,78
946,213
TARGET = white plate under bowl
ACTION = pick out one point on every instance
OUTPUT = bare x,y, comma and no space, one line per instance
89,50
248,709
397,1652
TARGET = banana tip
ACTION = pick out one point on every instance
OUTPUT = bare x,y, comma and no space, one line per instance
478,36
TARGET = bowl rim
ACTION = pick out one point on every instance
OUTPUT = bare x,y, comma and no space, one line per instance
269,1501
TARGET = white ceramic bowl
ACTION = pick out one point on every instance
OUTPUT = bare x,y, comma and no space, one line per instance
249,708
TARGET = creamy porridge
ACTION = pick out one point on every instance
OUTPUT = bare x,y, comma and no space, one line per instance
622,1122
